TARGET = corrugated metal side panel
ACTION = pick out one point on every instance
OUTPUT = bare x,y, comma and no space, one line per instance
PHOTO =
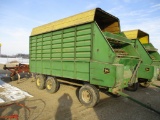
64,53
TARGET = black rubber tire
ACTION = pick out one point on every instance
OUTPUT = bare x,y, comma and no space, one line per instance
145,84
40,81
52,85
93,93
133,88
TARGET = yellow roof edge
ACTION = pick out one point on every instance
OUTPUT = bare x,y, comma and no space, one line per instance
56,29
59,23
67,17
130,30
139,30
78,19
137,34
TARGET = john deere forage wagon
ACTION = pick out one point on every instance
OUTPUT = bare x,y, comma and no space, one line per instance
149,70
83,48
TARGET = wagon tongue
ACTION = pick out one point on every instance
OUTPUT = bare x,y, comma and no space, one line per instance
138,102
132,80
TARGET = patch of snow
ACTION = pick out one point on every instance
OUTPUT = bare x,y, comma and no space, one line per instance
11,93
20,60
1,100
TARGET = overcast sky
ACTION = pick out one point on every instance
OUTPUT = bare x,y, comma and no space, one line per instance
18,17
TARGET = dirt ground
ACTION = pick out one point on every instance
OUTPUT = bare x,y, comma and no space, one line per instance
64,104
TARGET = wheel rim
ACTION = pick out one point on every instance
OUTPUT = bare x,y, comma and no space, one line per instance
86,96
49,84
38,82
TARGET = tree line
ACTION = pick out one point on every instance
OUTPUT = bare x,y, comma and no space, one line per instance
17,56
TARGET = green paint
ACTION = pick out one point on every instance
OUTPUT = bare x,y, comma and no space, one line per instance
83,53
150,60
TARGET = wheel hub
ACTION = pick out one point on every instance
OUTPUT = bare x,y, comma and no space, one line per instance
49,84
86,96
